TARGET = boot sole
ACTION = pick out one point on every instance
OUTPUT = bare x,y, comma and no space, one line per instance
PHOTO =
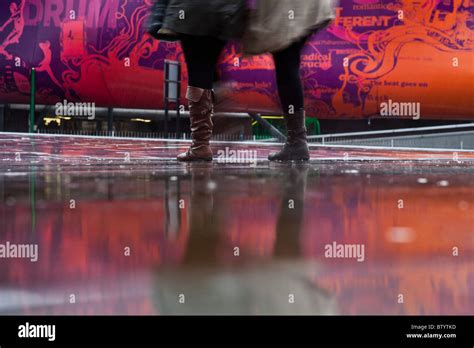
290,160
195,160
303,158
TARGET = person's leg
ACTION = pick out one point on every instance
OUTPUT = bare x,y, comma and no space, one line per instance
290,89
287,69
201,54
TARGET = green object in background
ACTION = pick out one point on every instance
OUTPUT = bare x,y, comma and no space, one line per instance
312,124
314,128
31,122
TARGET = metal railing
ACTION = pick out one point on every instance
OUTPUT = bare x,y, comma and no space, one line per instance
459,137
149,135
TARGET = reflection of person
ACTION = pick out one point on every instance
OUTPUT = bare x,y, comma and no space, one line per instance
290,218
203,27
282,28
203,285
18,26
203,217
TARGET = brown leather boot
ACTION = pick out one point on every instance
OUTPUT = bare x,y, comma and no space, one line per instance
201,110
296,147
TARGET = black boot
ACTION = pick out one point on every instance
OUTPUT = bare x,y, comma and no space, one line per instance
296,147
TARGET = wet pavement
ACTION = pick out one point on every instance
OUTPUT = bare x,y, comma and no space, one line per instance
19,149
151,236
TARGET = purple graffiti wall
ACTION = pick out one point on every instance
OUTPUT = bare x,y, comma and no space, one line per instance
374,52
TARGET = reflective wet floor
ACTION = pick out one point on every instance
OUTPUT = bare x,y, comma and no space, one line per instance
327,237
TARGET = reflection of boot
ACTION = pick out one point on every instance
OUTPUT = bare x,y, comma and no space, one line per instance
296,147
290,219
200,112
203,237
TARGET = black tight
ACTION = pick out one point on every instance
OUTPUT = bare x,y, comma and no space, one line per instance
290,87
201,53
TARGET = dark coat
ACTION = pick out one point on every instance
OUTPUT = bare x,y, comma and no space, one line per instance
224,19
155,21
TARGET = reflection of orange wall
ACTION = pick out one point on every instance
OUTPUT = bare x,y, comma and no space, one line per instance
423,270
441,286
89,241
250,224
86,244
368,214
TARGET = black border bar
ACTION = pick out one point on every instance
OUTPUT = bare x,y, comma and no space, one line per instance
222,330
